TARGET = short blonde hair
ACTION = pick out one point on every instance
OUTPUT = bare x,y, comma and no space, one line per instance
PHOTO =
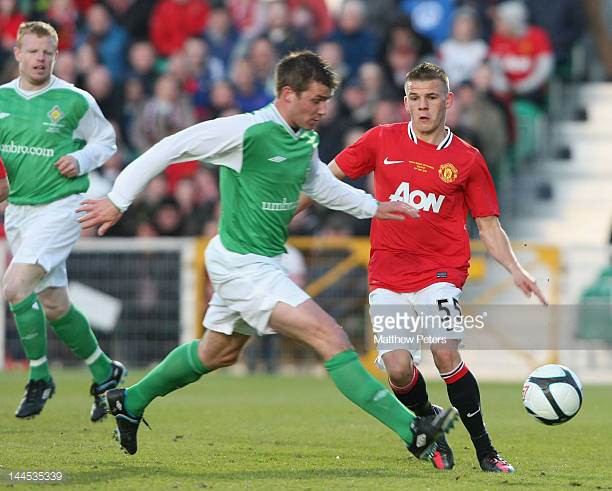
426,71
41,29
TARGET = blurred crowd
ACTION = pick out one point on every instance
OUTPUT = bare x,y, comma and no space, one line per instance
158,66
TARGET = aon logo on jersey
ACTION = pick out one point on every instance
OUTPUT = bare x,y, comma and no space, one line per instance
417,198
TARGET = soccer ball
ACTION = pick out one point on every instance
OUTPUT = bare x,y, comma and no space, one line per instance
552,394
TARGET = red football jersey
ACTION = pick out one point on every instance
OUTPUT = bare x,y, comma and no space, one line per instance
444,182
2,170
518,56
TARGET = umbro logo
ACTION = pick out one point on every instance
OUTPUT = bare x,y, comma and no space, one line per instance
4,115
391,162
278,159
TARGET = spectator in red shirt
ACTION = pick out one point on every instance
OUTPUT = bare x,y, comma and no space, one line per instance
63,15
4,186
249,16
521,54
10,18
174,21
323,22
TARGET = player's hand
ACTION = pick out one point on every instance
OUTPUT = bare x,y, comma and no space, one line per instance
101,213
528,286
395,210
68,166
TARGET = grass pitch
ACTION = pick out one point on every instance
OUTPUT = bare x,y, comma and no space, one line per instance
289,433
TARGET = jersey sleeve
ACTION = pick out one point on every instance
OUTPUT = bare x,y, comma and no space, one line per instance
480,192
541,42
2,170
323,187
359,159
217,142
99,137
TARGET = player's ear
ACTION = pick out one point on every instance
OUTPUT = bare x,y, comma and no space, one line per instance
450,98
287,94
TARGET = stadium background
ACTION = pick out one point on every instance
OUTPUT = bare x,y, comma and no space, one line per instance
156,67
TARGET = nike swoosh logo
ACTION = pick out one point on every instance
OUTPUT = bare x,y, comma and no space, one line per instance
391,162
469,415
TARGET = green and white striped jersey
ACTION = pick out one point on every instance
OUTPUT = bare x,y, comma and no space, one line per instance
38,128
264,166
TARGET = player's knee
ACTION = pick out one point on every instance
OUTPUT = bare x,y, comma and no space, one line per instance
221,359
14,291
228,359
333,340
54,310
399,367
445,359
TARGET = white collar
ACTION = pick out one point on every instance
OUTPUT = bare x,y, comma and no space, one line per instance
295,134
443,144
31,93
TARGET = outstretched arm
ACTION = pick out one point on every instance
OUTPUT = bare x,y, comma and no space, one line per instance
324,188
105,212
101,213
497,243
212,141
304,201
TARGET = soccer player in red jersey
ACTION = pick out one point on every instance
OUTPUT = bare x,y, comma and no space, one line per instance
424,261
2,170
4,185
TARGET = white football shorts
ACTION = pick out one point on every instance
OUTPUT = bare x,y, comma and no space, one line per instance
247,287
425,302
44,235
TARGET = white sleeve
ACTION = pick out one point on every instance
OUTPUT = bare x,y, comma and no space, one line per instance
323,187
538,76
99,137
218,142
499,81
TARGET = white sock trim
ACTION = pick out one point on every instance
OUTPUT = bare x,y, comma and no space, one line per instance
39,362
94,356
453,371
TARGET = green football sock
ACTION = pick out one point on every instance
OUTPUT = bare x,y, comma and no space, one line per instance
74,330
360,387
31,325
181,367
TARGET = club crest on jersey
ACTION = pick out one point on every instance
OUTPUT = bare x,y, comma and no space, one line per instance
55,115
448,172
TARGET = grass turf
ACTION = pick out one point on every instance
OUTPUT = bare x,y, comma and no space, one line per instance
289,432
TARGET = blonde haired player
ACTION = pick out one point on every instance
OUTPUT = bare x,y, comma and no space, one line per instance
51,136
421,265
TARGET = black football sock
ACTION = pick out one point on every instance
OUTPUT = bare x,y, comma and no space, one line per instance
414,395
463,393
